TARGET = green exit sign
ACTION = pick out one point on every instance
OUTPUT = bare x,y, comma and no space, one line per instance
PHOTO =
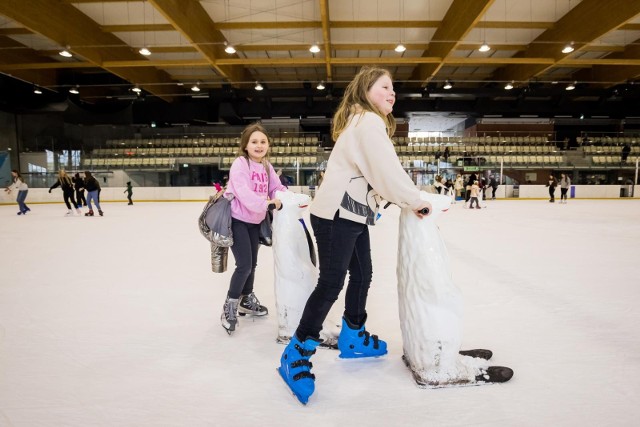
471,169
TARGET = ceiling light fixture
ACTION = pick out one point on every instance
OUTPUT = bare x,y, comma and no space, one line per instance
509,85
37,91
145,51
258,86
320,86
74,90
568,48
447,85
314,48
195,87
229,48
400,48
485,47
65,52
571,86
136,89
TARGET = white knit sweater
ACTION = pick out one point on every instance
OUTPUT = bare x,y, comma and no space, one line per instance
363,169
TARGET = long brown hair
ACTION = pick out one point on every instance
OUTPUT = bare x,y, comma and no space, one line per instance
246,135
356,95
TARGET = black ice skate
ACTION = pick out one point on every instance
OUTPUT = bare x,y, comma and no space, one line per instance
229,317
100,212
90,213
249,304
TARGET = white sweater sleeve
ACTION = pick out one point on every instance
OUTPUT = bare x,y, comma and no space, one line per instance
376,158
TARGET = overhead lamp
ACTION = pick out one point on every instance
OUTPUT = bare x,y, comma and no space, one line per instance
195,87
37,91
258,86
320,86
74,90
145,51
65,52
400,48
314,48
485,47
568,48
136,89
229,48
447,85
509,85
571,86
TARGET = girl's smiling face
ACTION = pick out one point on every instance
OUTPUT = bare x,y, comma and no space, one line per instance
257,146
382,95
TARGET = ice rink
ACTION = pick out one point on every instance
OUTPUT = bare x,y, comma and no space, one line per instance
114,321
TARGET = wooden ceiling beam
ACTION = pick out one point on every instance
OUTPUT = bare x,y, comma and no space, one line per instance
616,74
52,20
306,62
602,17
460,18
131,28
326,36
190,19
14,52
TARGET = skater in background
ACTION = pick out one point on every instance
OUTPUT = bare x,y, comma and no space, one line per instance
448,189
66,184
253,183
78,185
18,184
438,185
467,195
458,186
493,183
93,191
553,183
360,171
565,183
283,179
474,195
129,191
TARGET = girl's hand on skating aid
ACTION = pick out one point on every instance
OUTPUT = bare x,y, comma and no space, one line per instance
423,210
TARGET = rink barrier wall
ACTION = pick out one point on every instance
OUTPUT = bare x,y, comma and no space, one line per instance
201,194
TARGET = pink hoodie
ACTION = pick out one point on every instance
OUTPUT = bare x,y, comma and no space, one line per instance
248,184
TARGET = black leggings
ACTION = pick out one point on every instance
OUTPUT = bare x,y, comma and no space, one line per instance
80,198
552,192
563,193
343,246
68,196
245,251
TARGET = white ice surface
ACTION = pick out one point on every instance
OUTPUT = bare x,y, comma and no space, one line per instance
114,321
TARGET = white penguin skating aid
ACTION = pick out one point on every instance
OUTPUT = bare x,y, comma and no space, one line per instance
296,271
431,308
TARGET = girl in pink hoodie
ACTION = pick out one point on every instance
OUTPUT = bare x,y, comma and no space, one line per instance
252,183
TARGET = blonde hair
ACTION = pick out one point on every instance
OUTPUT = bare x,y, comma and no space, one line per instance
246,135
356,95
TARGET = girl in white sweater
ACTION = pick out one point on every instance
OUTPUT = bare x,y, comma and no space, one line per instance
362,170
17,183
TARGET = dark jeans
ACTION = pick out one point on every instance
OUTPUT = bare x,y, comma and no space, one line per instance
245,251
552,192
493,192
343,246
22,196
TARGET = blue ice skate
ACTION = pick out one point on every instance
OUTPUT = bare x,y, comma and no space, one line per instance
295,367
355,342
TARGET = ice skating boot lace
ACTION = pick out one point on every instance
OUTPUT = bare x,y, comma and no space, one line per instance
295,367
249,304
229,318
355,342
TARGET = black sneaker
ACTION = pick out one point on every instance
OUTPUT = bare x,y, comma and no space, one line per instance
249,304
